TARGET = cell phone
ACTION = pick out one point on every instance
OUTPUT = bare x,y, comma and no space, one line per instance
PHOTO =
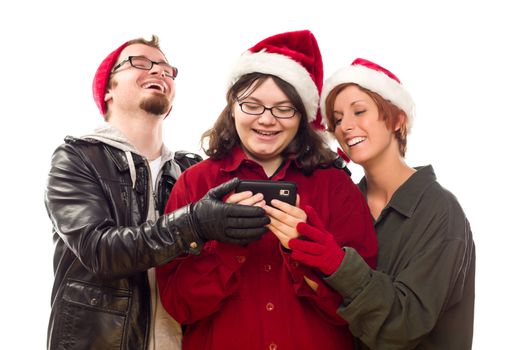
281,190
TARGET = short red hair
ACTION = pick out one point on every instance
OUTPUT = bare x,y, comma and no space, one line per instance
390,113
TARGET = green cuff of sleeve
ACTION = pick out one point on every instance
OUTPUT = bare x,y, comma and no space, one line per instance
352,276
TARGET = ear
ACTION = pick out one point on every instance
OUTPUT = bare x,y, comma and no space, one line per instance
107,96
401,121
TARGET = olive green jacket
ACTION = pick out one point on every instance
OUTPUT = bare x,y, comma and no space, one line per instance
421,296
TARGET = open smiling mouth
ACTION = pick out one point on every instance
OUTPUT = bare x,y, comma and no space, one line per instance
266,133
154,86
355,141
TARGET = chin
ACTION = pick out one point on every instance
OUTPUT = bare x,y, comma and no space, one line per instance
356,159
262,155
157,105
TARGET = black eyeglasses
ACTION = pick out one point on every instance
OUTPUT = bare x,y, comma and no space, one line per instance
144,63
279,112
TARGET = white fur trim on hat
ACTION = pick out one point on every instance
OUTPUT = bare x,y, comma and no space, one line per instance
283,67
372,80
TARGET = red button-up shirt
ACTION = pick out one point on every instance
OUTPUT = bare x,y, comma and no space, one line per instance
255,296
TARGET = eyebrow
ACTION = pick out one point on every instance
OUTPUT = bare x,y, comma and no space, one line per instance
259,101
351,104
144,56
356,101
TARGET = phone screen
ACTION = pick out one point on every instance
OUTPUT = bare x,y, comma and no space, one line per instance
282,190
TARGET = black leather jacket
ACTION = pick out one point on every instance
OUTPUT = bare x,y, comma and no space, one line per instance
104,245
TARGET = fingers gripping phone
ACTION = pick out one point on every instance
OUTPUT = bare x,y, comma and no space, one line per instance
281,190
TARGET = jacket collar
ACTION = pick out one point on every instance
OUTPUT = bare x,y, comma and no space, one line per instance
406,198
119,158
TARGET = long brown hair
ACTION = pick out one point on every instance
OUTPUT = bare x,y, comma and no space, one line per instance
307,147
388,112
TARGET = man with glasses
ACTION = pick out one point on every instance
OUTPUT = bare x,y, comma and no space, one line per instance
105,197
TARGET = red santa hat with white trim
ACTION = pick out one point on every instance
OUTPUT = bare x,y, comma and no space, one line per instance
292,56
373,77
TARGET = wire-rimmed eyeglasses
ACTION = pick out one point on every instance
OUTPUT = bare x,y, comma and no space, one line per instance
279,112
144,63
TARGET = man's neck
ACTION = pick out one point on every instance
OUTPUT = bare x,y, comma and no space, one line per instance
142,131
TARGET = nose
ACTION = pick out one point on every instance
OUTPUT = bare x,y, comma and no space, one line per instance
157,69
347,124
266,117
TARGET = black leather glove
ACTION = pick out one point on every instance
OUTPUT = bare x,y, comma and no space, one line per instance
212,219
231,223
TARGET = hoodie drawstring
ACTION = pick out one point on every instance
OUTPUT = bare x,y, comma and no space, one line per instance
132,170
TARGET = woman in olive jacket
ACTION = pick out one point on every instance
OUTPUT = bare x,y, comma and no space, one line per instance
421,296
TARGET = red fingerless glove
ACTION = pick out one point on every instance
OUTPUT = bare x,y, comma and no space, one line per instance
319,250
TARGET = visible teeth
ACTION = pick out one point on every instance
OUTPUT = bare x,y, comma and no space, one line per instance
266,133
150,85
355,141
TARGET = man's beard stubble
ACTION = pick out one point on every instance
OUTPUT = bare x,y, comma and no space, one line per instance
156,104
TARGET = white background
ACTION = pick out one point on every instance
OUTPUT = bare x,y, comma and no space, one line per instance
461,60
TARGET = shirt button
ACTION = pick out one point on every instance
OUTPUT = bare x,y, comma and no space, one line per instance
241,259
270,307
295,264
272,346
267,267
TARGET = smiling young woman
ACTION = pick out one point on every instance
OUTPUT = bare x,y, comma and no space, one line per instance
257,296
422,293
